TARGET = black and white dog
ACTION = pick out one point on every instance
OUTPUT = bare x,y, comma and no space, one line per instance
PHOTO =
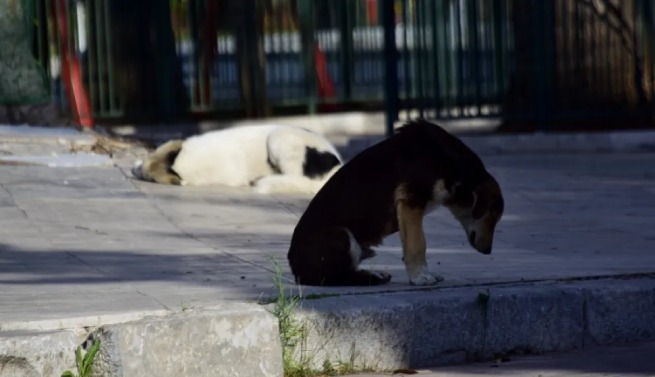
271,158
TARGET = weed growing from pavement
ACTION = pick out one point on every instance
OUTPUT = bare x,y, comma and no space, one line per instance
293,335
84,362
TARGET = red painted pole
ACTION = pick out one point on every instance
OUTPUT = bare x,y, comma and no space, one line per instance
71,71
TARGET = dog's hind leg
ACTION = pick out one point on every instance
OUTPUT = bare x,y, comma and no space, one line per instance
331,257
358,276
410,222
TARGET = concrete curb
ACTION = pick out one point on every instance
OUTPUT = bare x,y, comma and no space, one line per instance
446,326
235,339
378,332
38,353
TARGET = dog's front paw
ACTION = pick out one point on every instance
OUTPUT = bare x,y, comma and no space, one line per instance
262,186
425,278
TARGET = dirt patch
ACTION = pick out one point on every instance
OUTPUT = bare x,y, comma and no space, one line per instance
109,145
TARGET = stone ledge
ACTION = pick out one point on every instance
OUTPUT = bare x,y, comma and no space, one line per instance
446,326
233,339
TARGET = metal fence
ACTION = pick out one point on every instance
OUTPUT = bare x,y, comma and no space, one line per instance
126,57
453,58
523,61
561,64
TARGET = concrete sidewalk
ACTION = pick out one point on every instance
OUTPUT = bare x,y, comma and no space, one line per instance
87,247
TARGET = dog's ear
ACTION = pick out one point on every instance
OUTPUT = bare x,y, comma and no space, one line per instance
479,206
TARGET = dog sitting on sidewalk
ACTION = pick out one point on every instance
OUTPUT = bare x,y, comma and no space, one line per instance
271,158
387,188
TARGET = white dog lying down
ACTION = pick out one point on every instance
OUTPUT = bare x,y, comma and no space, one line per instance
272,158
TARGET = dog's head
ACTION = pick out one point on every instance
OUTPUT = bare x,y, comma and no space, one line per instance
478,209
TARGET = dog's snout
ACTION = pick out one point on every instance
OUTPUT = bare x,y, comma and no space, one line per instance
486,251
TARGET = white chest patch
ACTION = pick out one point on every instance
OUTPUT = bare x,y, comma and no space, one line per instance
439,195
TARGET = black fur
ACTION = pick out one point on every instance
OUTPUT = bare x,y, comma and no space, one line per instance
318,163
170,160
360,198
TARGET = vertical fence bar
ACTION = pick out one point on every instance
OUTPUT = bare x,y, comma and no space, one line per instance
308,41
42,54
611,56
195,56
91,60
110,69
474,47
649,15
637,32
539,61
498,48
565,57
459,38
346,49
407,77
56,35
419,53
435,62
308,45
102,55
390,65
448,56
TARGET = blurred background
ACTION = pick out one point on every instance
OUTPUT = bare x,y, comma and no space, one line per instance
518,66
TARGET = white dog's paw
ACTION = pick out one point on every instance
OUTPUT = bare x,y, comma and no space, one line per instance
262,186
425,278
372,277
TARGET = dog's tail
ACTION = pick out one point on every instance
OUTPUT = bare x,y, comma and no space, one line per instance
158,166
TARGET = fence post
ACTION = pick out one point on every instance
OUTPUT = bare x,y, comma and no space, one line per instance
390,65
308,45
539,57
247,18
346,30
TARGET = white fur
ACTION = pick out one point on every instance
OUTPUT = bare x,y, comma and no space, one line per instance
439,195
280,183
137,169
240,156
380,274
355,250
425,278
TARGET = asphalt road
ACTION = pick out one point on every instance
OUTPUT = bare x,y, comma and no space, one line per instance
636,360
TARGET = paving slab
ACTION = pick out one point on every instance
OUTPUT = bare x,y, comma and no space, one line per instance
88,246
